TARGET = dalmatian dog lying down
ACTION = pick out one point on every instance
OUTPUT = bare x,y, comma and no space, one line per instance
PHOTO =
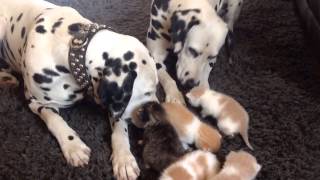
195,30
61,56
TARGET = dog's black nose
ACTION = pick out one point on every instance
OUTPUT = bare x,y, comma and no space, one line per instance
189,84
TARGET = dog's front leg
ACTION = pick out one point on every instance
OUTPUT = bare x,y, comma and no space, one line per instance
124,164
74,150
158,48
170,87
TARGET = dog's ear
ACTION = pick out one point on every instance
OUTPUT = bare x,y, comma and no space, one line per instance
229,43
103,94
178,32
107,91
181,23
78,29
114,97
223,11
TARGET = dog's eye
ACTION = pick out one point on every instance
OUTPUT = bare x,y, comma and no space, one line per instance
147,94
210,58
193,52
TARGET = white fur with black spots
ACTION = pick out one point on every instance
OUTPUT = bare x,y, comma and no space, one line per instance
195,31
35,38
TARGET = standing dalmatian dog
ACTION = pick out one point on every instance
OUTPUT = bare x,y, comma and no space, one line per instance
195,31
61,55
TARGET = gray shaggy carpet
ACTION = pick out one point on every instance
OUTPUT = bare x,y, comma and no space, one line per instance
274,75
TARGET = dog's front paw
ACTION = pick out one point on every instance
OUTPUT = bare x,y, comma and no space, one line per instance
125,166
76,152
175,96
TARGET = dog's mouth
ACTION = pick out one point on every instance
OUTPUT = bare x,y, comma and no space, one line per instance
186,87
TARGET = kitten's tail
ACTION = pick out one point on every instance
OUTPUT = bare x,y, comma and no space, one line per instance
244,134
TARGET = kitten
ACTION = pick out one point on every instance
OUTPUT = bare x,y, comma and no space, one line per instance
190,129
197,165
231,116
162,145
238,166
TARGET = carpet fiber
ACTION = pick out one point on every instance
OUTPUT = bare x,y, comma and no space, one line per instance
274,75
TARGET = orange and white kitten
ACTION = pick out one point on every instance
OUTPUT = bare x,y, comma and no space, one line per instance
190,129
231,116
196,165
238,166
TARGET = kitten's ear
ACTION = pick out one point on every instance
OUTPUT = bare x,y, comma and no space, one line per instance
140,116
157,112
258,167
135,117
156,108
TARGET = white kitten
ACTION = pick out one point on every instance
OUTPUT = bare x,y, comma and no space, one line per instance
190,129
197,165
238,166
231,116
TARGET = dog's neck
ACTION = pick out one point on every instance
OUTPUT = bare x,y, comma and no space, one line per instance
77,53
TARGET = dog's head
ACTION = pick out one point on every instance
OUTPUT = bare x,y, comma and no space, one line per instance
197,39
122,72
147,113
